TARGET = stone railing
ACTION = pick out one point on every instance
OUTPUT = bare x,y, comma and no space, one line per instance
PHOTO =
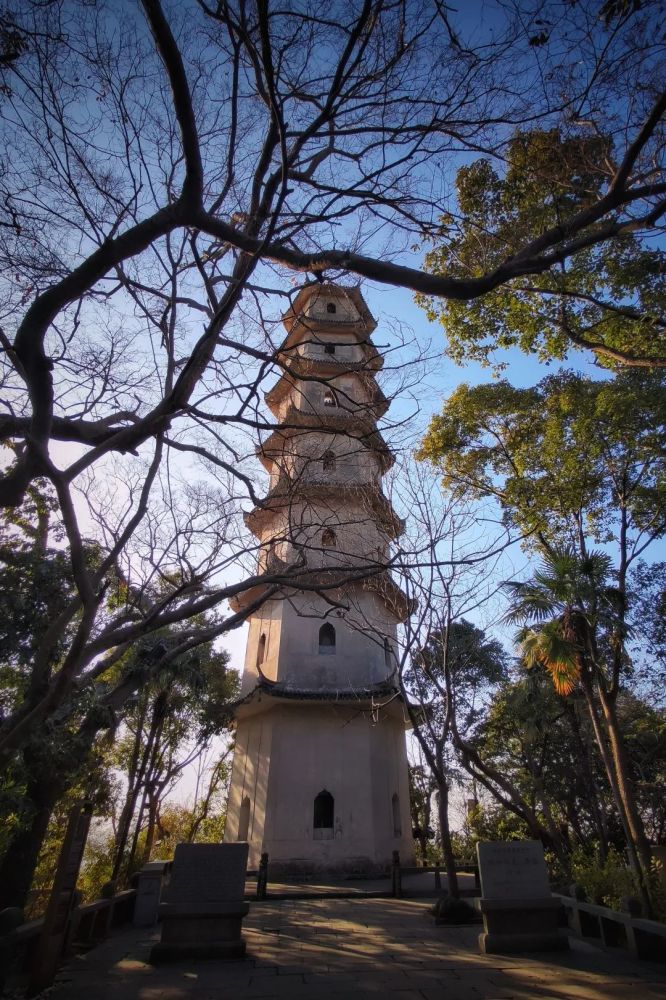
622,930
398,870
87,923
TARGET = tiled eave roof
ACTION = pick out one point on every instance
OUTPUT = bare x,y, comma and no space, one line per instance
277,690
337,579
266,693
330,364
296,322
378,404
301,424
283,498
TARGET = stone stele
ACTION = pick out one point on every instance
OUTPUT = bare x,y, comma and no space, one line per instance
519,911
204,909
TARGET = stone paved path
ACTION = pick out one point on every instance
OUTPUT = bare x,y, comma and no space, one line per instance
356,948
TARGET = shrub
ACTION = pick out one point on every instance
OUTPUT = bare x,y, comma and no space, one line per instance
604,884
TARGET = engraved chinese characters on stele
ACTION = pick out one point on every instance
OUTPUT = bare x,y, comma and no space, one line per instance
209,873
512,870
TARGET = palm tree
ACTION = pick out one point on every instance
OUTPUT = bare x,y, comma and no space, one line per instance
561,610
570,621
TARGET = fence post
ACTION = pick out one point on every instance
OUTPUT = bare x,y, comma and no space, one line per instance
396,881
262,877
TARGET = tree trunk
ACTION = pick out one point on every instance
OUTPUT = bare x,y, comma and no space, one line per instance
624,782
499,786
149,773
423,844
156,723
554,832
635,855
423,824
447,846
153,803
611,743
502,790
17,868
134,778
587,774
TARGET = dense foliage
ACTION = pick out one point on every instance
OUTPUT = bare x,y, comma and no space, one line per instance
607,300
577,467
171,716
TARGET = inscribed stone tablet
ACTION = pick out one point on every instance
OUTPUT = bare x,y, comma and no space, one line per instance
208,873
512,870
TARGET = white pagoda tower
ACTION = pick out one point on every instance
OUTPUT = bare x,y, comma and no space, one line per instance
320,768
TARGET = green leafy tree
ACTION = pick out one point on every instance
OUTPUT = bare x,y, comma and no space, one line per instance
607,299
36,586
541,741
644,730
168,727
200,821
571,463
568,460
94,784
573,627
647,584
447,677
422,787
495,822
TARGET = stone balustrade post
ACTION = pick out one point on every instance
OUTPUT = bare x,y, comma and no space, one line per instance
148,893
396,879
262,877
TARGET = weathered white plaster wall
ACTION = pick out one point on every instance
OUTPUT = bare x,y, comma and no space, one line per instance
288,755
292,652
295,530
305,456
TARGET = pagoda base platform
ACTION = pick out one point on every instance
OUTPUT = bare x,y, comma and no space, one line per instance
290,754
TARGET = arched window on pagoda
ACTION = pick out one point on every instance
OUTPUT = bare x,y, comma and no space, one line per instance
329,539
323,816
331,307
328,461
326,639
330,399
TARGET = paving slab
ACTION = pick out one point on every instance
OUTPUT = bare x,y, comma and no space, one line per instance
355,948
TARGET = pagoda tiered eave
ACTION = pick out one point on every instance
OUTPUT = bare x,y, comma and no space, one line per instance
267,694
333,581
299,320
286,383
283,499
364,433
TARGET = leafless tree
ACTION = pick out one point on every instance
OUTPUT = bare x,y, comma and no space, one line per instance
451,565
163,175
